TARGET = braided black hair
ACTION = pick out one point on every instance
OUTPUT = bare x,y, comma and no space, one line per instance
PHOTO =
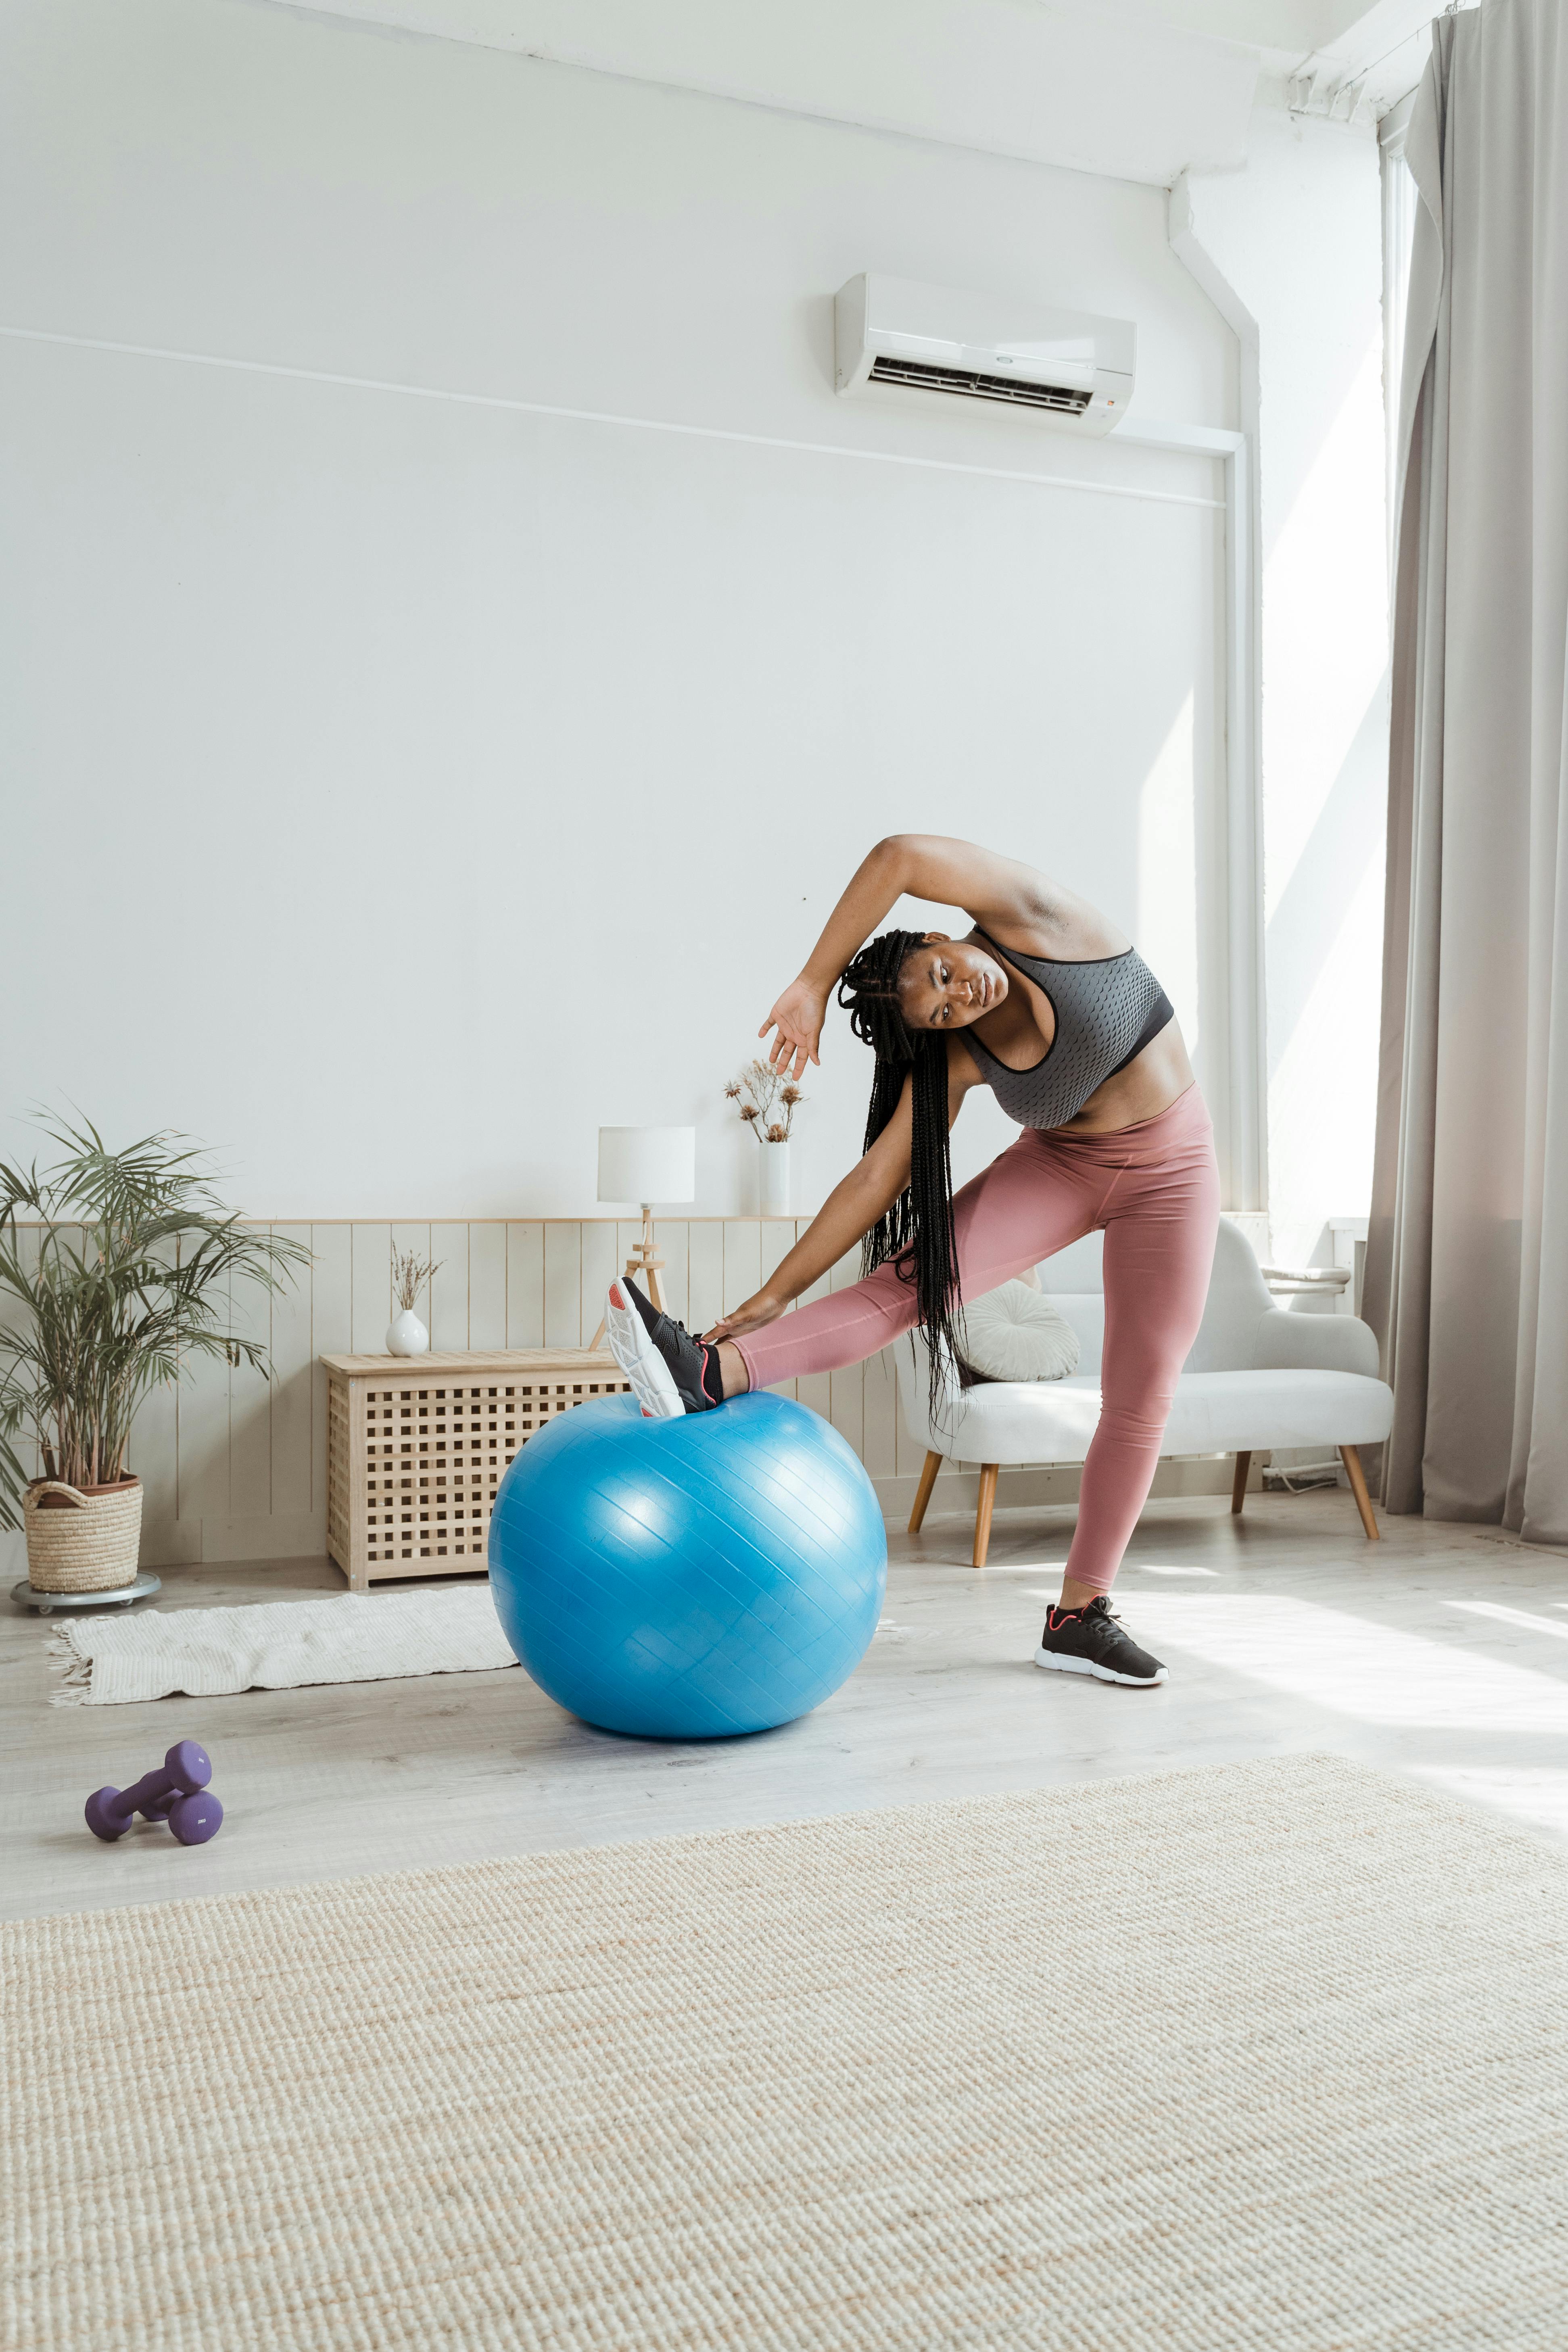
916,1233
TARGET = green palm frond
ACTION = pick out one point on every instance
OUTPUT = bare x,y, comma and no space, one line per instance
124,1279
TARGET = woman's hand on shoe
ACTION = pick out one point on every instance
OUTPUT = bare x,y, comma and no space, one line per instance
798,1018
762,1308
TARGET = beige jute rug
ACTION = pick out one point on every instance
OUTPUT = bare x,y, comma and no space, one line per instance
1270,2055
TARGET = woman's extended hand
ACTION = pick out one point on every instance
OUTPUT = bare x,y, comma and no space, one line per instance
761,1308
797,1017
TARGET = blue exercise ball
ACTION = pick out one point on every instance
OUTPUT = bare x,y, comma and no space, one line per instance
687,1579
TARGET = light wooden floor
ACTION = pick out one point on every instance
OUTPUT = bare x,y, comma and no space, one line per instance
1442,1652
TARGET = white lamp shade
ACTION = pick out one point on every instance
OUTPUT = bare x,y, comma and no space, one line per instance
647,1164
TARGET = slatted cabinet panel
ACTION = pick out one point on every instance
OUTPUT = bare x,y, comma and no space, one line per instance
672,1242
329,1281
488,1287
205,1430
448,1293
419,1445
743,1265
372,1254
250,1405
290,1396
563,1285
599,1262
525,1248
704,1274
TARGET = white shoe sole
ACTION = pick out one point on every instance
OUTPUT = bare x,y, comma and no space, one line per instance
1054,1663
640,1360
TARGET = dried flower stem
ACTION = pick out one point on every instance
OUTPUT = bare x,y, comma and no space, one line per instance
409,1276
758,1087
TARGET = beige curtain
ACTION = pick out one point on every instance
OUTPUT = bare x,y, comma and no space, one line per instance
1467,1253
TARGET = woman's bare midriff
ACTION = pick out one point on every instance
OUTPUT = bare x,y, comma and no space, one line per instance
1160,1076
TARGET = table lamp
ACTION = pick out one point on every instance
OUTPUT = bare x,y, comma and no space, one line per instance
646,1164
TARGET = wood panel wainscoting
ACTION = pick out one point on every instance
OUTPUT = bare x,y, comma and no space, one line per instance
236,1467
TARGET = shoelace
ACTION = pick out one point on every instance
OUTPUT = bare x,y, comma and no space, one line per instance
1099,1613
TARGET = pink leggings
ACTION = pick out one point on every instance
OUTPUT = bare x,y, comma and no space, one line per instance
1154,1191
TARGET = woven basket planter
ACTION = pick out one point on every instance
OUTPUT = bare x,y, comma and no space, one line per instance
82,1539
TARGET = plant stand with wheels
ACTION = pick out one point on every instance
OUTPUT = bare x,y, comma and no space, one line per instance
26,1596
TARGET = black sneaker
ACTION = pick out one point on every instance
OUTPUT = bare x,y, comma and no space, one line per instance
659,1357
1092,1642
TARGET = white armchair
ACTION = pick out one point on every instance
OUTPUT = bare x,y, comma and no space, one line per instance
1257,1376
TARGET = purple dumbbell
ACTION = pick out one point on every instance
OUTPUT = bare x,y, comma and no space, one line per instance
178,1794
200,1813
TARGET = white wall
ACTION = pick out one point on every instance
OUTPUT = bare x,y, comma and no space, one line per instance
1297,238
401,787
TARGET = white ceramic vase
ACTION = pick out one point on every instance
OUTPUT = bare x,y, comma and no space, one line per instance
406,1335
774,1183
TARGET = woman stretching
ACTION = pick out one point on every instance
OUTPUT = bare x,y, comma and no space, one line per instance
1044,1003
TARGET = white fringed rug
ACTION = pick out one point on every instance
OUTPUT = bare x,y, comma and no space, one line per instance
1269,2058
275,1645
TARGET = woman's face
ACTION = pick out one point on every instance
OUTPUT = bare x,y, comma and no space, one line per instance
947,983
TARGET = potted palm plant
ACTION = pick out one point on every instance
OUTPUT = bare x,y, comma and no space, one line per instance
115,1269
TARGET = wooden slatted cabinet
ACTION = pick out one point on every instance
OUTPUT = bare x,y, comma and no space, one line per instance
416,1447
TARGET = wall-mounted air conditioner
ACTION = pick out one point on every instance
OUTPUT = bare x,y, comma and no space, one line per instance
1067,365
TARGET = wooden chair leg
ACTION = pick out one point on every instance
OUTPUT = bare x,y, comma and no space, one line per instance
1358,1488
932,1465
1238,1484
982,1516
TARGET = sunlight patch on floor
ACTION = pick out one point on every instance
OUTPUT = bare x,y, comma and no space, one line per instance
1353,1666
1151,1567
1514,1616
1534,1794
1023,1567
1129,1568
1056,1567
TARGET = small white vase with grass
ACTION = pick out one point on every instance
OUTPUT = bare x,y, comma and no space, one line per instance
768,1103
406,1335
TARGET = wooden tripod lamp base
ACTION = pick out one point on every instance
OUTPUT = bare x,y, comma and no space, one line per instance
645,1259
647,1164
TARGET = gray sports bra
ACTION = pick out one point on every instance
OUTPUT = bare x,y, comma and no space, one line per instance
1107,1011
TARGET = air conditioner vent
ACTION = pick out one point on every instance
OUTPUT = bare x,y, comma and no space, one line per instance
1069,371
1024,394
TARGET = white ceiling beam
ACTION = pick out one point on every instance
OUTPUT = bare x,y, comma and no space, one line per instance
1106,88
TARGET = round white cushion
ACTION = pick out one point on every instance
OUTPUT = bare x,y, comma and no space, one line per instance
1014,1334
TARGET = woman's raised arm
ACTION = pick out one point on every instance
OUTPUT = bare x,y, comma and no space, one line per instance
916,865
